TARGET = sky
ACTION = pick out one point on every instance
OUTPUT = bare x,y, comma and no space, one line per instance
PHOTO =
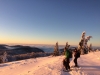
49,21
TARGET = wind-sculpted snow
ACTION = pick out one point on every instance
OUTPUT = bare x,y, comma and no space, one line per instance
89,65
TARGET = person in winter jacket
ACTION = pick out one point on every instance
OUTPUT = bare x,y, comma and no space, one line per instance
66,60
76,56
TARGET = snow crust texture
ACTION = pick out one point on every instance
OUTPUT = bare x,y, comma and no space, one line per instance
89,65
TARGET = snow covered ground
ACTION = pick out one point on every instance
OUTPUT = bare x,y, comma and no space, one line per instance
89,65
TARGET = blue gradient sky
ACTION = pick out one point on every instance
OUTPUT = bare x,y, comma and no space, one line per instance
49,21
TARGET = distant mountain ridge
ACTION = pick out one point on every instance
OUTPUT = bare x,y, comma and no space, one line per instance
33,48
19,49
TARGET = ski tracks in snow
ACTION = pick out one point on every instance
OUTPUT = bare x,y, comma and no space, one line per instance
51,66
89,64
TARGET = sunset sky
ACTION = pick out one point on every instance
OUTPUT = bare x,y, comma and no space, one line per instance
49,21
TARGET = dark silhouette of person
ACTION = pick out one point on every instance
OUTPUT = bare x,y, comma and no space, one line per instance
66,60
76,55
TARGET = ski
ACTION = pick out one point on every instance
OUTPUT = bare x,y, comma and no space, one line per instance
75,68
65,70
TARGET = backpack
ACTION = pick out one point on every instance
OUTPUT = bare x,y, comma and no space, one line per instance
78,54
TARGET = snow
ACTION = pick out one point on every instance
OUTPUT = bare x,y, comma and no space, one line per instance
89,65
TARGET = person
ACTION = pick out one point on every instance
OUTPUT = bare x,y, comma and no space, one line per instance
66,60
76,56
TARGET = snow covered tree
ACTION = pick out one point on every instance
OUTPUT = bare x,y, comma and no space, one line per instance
90,48
3,58
66,46
56,50
83,43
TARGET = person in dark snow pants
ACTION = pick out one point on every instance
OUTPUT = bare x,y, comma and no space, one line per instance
66,60
76,55
66,64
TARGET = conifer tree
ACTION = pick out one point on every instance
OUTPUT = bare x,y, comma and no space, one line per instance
56,50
